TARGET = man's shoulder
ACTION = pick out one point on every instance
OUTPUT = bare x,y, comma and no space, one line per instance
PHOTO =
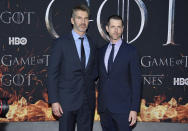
65,36
129,46
102,48
62,40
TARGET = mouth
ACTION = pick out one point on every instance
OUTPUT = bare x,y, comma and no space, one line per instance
83,26
115,34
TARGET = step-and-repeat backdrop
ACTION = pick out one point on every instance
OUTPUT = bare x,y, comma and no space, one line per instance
158,28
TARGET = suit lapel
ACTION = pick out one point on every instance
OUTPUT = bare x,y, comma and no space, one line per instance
91,55
74,50
73,46
118,56
103,59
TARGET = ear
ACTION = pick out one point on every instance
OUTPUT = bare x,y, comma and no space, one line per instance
106,28
72,21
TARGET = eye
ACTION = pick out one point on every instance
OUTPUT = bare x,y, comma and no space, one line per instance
86,18
79,17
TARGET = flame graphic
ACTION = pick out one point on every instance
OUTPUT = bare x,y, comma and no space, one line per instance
156,112
23,111
168,111
21,106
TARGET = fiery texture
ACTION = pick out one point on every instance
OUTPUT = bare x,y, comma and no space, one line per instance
168,111
22,111
157,112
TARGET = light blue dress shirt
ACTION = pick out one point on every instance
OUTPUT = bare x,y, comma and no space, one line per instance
78,45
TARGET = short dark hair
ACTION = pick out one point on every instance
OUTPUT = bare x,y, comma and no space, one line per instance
80,7
116,17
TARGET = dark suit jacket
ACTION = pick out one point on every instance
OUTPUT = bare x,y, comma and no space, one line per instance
68,83
119,90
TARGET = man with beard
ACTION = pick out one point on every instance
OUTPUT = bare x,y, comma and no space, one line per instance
119,80
71,75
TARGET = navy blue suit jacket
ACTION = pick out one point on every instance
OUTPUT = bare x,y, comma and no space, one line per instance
119,90
68,83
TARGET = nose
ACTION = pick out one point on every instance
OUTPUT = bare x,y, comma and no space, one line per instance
116,29
83,20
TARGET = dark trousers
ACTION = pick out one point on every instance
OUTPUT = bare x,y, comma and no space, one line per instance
83,118
114,121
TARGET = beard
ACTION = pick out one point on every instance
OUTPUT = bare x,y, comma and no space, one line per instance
82,27
115,36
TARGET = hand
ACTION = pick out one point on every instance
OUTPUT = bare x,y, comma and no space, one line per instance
132,117
56,109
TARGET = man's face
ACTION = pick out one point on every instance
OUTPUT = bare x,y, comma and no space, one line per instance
80,21
115,29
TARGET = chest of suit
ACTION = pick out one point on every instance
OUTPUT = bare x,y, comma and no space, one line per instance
70,66
120,66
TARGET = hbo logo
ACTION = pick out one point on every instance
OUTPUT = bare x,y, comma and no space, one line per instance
180,81
17,41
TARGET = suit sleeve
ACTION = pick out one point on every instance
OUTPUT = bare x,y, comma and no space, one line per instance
53,71
135,81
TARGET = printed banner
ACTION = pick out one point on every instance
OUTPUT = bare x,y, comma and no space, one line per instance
157,28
